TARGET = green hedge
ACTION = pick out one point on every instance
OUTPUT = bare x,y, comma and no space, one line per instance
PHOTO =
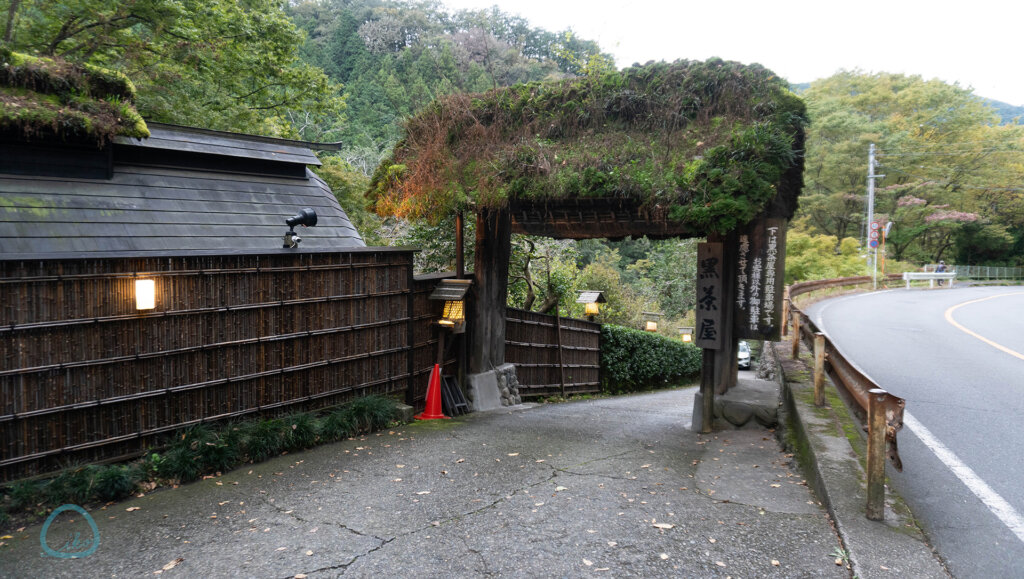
196,451
632,360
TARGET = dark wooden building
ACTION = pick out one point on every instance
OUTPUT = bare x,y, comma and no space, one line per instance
180,190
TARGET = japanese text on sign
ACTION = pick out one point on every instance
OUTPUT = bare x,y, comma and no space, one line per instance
760,258
709,296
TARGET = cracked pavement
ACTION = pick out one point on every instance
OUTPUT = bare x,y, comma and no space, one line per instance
616,486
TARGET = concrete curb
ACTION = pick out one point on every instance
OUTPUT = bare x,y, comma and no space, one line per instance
894,547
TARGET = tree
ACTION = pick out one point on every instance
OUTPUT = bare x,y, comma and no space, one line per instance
940,148
213,63
811,257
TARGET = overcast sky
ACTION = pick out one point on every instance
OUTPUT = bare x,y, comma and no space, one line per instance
973,43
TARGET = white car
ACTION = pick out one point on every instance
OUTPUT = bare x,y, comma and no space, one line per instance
744,356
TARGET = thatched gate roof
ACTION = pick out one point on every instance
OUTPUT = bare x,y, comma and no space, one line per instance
671,149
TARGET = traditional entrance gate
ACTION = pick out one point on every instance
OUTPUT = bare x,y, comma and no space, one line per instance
688,149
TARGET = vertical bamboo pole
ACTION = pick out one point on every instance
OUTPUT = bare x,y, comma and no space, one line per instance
558,340
819,369
876,455
460,252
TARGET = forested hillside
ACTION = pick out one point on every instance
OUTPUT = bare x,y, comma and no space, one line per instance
395,57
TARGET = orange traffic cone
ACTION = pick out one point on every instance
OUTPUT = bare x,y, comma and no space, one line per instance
433,410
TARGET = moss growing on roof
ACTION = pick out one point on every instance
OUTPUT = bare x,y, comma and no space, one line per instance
714,142
45,98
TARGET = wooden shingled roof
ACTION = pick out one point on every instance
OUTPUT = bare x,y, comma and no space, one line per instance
180,191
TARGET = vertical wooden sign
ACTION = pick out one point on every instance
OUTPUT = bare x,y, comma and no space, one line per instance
709,296
760,280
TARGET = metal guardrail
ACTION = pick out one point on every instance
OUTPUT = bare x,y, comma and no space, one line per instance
988,272
881,412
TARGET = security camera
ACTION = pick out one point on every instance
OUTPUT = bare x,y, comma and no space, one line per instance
291,240
305,218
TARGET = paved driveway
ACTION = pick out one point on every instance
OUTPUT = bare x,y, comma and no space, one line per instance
610,487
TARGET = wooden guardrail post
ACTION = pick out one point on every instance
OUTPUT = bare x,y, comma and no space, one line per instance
819,369
876,455
796,335
785,311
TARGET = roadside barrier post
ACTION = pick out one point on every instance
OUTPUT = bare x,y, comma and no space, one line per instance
876,455
796,336
785,311
819,369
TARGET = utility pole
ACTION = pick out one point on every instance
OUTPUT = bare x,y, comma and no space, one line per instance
872,163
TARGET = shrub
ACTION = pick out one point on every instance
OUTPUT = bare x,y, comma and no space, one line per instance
632,360
373,412
114,483
339,424
72,485
263,439
301,431
25,494
181,463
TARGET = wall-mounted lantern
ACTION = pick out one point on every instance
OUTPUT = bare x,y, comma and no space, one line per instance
453,293
591,300
652,321
145,294
686,334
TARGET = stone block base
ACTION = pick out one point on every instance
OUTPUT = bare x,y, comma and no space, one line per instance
494,389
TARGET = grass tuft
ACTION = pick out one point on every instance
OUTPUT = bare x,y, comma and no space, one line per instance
180,463
116,482
373,413
301,431
263,439
338,425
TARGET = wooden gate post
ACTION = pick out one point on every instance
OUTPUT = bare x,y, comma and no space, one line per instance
490,289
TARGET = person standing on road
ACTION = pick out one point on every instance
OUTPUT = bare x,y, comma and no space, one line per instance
941,268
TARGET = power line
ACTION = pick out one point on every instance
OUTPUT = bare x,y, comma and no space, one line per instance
948,154
960,185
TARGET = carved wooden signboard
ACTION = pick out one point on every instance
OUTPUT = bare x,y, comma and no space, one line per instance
709,296
760,280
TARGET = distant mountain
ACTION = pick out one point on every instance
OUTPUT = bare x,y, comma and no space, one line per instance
1006,111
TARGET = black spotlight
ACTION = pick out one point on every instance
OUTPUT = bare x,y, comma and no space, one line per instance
305,218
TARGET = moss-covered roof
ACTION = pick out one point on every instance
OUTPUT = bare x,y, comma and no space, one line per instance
713,142
50,98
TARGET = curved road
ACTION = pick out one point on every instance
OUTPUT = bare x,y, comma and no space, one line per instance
957,357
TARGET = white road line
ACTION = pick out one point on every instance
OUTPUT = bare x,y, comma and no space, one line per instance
1003,510
995,503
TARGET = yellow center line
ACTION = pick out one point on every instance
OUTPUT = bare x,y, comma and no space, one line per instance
957,325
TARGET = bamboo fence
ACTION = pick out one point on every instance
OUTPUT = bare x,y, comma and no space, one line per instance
553,355
85,377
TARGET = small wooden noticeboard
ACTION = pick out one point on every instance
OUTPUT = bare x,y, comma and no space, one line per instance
760,278
709,296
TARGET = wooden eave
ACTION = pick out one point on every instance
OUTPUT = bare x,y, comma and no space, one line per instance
596,218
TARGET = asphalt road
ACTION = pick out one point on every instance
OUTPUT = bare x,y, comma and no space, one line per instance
957,357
